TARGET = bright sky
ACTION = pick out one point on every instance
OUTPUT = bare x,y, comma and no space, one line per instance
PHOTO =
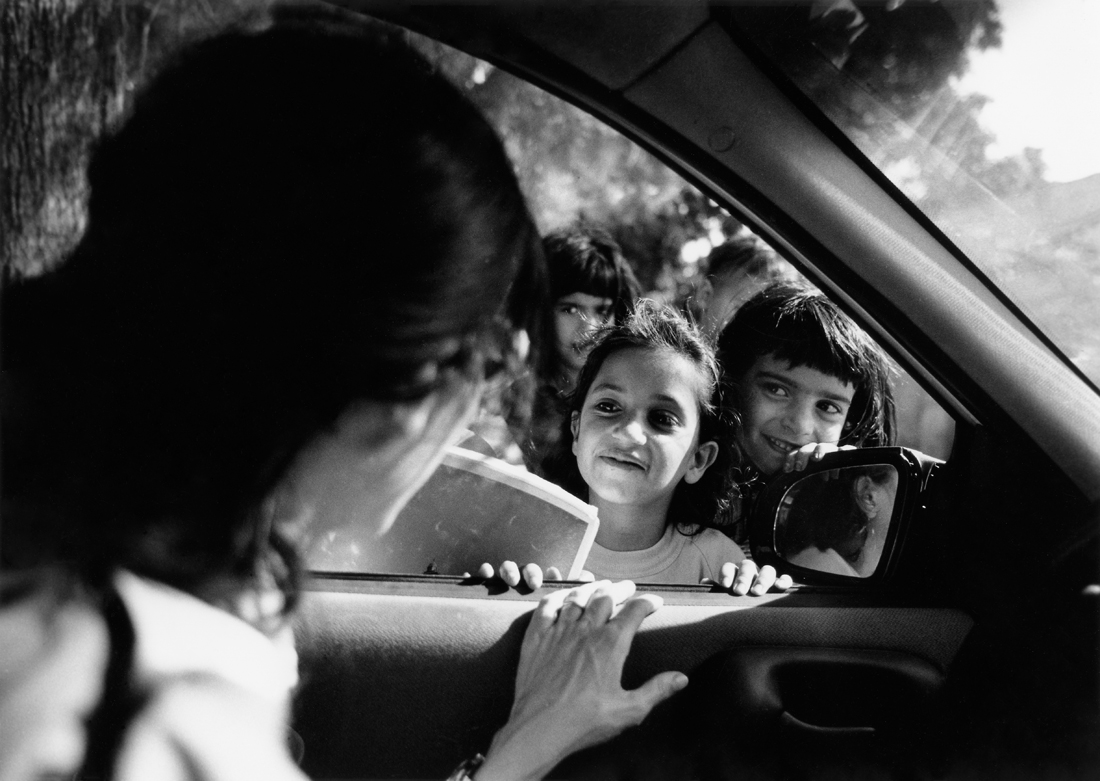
1044,82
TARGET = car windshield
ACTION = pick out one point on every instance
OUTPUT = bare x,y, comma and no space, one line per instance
973,109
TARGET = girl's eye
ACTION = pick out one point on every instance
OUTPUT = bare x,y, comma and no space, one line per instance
664,420
606,407
775,389
569,309
829,408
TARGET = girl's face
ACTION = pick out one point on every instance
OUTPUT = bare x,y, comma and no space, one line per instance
576,316
784,407
637,434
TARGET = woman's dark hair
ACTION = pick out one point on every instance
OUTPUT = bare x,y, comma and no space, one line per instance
291,219
798,325
654,327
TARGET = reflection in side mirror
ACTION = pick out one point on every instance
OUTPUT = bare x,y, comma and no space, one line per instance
837,520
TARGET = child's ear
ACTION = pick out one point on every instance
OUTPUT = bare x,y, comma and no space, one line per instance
574,427
703,457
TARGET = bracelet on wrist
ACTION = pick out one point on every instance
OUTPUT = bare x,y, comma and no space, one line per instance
466,770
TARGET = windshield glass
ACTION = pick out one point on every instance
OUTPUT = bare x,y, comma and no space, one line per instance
973,109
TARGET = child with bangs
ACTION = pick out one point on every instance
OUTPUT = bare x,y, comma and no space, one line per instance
804,380
648,442
591,286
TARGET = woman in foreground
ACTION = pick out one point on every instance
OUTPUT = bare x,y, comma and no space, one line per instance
306,256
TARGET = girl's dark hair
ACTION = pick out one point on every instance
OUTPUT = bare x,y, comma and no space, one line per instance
291,219
586,259
654,327
798,325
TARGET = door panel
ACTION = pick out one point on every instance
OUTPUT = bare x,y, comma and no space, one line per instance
430,665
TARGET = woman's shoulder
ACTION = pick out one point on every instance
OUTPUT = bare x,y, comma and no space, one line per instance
206,674
184,724
54,644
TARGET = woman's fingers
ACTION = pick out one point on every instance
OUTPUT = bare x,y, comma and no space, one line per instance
553,573
602,602
783,583
569,693
658,689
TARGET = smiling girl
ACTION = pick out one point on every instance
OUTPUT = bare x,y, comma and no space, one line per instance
805,379
647,443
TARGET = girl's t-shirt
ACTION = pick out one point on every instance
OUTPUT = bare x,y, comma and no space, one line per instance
676,558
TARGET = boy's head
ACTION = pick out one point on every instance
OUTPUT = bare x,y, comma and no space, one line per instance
736,271
662,330
591,285
802,371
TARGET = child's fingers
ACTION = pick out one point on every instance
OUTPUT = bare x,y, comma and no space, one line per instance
509,573
783,582
532,575
485,571
727,574
746,575
553,573
764,580
814,451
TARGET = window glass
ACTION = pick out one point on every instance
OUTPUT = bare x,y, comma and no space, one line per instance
571,166
980,111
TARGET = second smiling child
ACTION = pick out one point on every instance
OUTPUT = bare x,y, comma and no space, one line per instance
805,380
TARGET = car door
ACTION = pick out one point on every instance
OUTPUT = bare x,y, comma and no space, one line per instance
977,655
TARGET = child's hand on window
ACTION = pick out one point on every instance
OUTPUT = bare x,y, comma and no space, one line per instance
745,578
814,451
531,575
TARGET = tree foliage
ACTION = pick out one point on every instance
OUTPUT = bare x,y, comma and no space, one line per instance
67,71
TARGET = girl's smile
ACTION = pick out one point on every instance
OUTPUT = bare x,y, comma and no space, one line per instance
636,435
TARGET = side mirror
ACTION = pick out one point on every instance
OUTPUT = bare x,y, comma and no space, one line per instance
841,520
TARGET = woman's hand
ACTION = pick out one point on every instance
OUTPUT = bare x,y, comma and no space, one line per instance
745,578
569,694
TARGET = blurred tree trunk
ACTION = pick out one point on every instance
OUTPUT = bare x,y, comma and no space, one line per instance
65,70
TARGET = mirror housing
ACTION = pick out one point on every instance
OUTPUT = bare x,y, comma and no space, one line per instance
793,500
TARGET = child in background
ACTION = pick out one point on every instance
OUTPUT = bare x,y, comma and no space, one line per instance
648,443
736,271
805,380
591,286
